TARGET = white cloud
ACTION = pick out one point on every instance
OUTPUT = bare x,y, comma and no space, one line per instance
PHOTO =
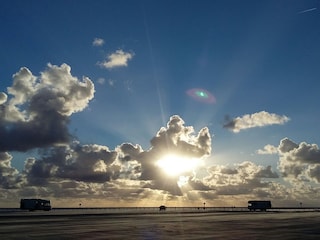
268,149
117,59
3,98
101,81
259,119
299,162
302,152
97,42
111,82
39,108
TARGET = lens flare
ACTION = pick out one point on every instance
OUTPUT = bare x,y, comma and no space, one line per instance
201,95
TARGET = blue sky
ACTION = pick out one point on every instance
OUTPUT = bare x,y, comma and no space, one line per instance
93,94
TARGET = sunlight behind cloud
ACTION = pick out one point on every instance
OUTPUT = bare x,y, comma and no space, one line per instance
174,165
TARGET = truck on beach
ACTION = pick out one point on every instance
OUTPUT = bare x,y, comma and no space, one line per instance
259,205
35,204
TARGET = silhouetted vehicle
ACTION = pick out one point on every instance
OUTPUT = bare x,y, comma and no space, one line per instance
259,205
162,208
35,204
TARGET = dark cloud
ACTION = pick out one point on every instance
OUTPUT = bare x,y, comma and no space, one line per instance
197,184
314,172
286,145
9,176
175,138
97,164
244,178
299,162
87,163
130,173
39,172
229,123
227,171
43,130
37,114
266,173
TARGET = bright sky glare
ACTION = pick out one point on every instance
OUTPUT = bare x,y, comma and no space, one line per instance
176,165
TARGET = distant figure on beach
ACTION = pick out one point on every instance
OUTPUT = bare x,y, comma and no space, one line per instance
162,208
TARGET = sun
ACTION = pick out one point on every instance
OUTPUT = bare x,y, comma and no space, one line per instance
175,165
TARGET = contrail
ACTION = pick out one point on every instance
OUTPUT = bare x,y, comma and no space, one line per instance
307,10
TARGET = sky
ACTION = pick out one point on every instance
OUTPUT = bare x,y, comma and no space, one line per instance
143,103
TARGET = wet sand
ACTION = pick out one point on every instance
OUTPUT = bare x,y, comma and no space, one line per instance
228,225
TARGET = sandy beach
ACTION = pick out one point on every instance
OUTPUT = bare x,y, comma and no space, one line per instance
164,225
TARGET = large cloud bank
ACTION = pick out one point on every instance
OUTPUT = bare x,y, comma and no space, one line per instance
35,112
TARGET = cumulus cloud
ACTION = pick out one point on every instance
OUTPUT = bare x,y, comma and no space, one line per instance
38,111
246,171
35,111
259,119
299,161
130,173
97,42
117,59
245,178
313,172
303,152
97,165
9,176
268,149
87,163
179,138
36,116
175,138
